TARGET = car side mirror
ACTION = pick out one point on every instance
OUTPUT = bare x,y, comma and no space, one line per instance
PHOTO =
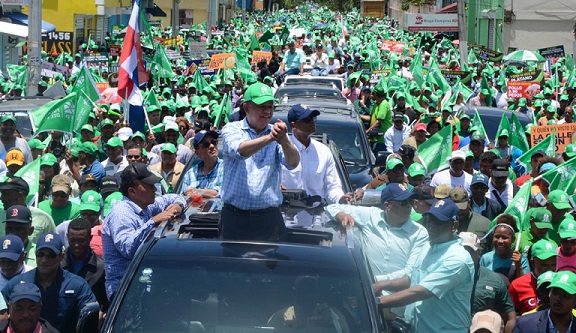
381,158
375,133
88,318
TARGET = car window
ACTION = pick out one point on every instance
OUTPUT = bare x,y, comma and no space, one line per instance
348,141
23,122
181,294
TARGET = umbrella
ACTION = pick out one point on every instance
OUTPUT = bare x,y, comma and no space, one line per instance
523,55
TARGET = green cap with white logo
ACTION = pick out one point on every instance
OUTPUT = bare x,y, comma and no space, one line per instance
559,199
567,229
416,169
544,249
564,280
542,218
546,277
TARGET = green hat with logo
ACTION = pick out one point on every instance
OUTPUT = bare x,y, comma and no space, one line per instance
476,136
7,117
152,108
416,169
392,163
91,200
88,128
544,249
110,201
542,218
115,142
565,280
259,93
564,98
503,132
168,147
138,134
89,148
36,144
567,229
570,150
106,122
559,199
48,159
546,277
537,103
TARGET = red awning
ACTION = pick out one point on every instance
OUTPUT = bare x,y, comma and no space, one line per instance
452,8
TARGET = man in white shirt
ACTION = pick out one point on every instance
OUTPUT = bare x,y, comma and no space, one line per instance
12,256
396,134
319,61
116,161
455,176
333,64
500,188
316,173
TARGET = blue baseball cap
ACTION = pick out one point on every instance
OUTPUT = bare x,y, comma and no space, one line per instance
395,192
199,136
479,178
25,290
301,111
12,247
50,240
445,210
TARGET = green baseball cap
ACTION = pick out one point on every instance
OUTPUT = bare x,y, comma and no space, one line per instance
392,163
110,201
565,280
544,249
48,159
503,132
152,108
89,148
259,93
106,122
567,229
88,128
169,147
36,144
564,98
416,169
91,200
7,117
522,101
570,150
542,218
138,134
476,136
559,199
115,142
546,277
537,103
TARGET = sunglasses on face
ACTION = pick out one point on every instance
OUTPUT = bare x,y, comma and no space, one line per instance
49,255
133,157
207,144
480,188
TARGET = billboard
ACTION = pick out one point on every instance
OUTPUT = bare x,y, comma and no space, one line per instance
431,22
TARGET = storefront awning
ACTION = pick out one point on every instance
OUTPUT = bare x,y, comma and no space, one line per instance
156,11
13,29
22,19
450,9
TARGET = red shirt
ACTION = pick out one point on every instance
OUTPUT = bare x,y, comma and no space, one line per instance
523,293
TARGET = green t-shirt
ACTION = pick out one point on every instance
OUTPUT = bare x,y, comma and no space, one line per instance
491,293
59,215
383,113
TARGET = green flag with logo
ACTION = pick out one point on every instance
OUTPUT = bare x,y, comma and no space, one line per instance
560,176
85,83
548,145
477,122
435,151
161,63
223,111
517,135
31,174
68,114
519,204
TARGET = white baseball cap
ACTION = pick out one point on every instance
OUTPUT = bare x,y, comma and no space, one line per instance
125,133
488,320
457,154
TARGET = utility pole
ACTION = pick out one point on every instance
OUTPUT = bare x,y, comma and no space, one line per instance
462,33
175,17
33,50
209,22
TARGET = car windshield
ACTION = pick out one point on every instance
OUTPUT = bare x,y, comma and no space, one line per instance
347,140
242,294
23,123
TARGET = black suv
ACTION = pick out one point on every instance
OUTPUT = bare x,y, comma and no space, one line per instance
185,279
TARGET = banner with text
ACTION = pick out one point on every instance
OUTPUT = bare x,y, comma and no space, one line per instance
552,52
222,61
259,55
519,89
563,135
57,42
485,53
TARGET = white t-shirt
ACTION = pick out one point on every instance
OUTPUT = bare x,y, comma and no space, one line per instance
444,177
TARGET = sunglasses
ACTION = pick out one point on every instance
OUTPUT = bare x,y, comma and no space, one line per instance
60,194
49,255
133,157
207,144
480,188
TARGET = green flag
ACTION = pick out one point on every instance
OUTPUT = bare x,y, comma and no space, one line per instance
199,81
223,111
477,122
31,174
162,63
265,37
284,35
68,114
242,65
504,125
548,145
151,99
18,74
85,83
519,204
472,57
254,45
517,135
563,174
435,151
416,69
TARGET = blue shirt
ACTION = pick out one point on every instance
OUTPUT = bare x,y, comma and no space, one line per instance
293,60
447,271
124,229
493,262
194,178
391,252
96,169
251,182
62,301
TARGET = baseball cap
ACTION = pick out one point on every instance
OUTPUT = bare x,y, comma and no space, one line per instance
442,191
48,159
301,111
125,133
107,122
88,128
15,183
486,320
138,134
470,239
89,148
50,240
110,201
200,136
139,171
392,163
567,229
479,178
259,93
545,277
115,142
459,196
544,249
18,213
565,280
395,192
503,132
25,290
500,168
12,247
559,199
542,218
444,210
570,150
86,178
476,136
108,184
7,117
457,154
171,126
61,183
538,152
546,167
14,156
407,150
36,144
398,116
522,101
416,169
420,127
168,147
424,192
91,200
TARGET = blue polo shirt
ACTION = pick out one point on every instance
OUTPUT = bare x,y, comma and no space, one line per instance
293,60
62,301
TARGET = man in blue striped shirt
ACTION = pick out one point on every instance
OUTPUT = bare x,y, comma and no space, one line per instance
254,151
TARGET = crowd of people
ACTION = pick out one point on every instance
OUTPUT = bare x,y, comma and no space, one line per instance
484,238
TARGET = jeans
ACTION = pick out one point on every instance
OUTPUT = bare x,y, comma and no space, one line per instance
291,71
319,72
264,224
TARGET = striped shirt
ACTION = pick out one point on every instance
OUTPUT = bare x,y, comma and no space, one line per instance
194,178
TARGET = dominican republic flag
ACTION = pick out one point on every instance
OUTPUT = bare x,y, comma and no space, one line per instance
132,72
